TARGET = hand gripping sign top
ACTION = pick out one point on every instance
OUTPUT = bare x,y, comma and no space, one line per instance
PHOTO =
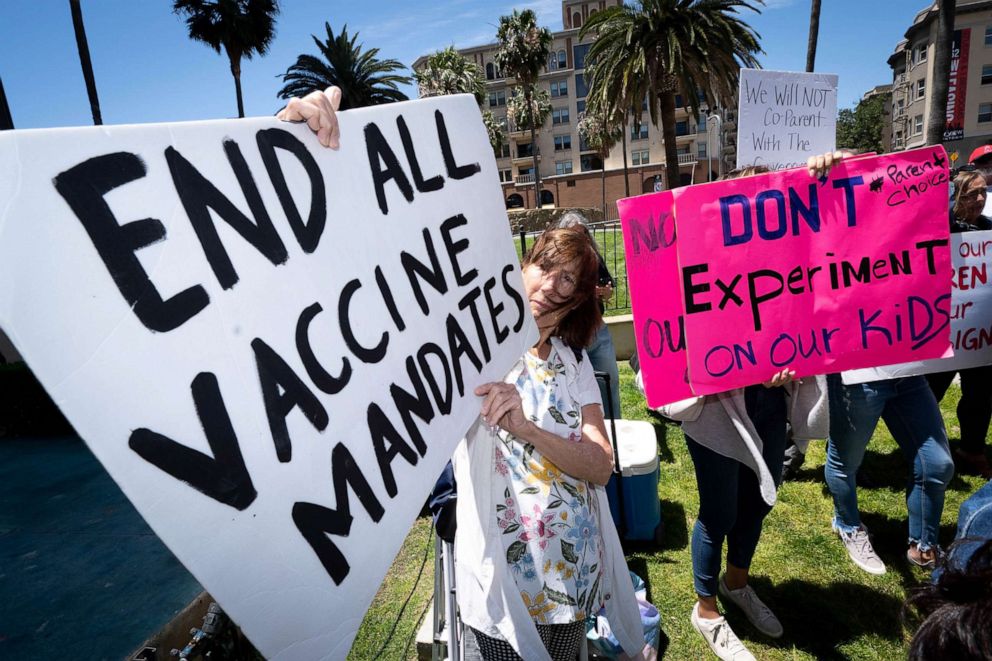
733,281
270,346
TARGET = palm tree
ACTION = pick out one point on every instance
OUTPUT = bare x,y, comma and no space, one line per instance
814,33
84,59
530,115
600,133
364,79
656,49
521,52
449,72
937,118
241,27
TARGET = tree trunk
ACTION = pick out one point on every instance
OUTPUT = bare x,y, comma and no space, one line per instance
529,97
814,32
666,102
937,119
84,60
236,72
602,181
6,121
626,179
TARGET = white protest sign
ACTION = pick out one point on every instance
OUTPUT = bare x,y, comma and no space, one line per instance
784,117
271,346
970,314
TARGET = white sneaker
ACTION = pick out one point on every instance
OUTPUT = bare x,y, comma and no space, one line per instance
760,615
860,549
720,637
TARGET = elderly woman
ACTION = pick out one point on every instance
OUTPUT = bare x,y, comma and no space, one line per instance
536,551
535,540
975,406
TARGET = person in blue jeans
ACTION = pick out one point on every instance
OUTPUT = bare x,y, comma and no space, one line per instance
910,411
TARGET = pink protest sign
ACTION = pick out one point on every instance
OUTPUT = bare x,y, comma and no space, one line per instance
781,270
653,281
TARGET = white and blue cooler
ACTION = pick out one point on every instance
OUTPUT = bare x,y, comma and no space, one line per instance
637,501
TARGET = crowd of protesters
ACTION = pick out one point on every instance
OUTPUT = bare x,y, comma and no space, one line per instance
539,453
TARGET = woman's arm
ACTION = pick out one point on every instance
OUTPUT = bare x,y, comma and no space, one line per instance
590,459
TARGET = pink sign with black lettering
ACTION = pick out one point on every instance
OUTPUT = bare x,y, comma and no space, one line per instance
650,247
816,275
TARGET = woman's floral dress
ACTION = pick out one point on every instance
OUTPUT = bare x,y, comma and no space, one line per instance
549,520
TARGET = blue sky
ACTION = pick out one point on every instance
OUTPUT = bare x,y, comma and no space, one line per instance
148,70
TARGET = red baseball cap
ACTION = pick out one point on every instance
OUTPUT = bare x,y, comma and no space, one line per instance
981,152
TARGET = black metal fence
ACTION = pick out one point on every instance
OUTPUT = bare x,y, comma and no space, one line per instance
609,241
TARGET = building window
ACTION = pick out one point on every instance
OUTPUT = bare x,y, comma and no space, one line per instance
678,101
563,167
988,35
580,106
900,104
921,85
559,88
639,132
918,125
640,157
590,162
562,61
681,127
506,176
987,74
504,151
580,86
920,54
985,112
497,98
490,72
563,142
559,116
576,20
898,139
579,55
701,150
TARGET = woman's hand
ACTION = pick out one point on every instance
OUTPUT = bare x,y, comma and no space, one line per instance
820,165
319,111
503,407
780,378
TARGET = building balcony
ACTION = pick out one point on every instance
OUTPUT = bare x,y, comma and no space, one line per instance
686,136
523,179
687,159
524,159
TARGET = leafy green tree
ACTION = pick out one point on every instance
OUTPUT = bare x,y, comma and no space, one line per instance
861,128
655,49
600,133
497,136
241,27
529,115
364,79
449,72
521,53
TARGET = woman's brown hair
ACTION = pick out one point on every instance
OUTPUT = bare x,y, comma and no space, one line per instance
557,248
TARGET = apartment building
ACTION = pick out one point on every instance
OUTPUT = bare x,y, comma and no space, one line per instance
969,102
571,173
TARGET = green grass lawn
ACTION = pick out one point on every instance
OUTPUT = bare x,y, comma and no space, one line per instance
830,609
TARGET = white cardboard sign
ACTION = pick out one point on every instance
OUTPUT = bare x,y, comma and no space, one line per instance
784,117
271,346
969,313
